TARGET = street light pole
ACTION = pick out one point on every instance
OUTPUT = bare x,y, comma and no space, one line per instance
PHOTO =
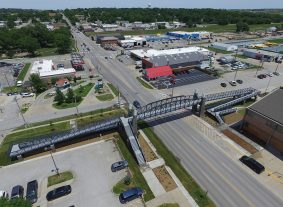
53,160
267,84
261,66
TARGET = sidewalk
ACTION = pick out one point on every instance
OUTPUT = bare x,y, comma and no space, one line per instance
177,195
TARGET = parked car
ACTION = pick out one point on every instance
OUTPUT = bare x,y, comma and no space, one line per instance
4,194
253,164
261,76
32,188
119,165
239,81
233,83
17,192
130,195
19,83
223,85
59,192
137,104
25,95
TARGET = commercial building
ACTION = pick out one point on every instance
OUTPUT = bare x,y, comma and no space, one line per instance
261,54
99,37
109,27
109,41
223,46
190,35
263,120
157,72
182,60
46,70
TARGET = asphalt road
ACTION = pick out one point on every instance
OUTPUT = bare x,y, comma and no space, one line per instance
225,180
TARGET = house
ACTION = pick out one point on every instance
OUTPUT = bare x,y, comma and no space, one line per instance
62,83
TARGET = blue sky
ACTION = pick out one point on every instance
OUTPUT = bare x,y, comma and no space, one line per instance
62,4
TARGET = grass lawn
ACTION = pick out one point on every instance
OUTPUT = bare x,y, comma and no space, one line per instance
66,105
11,89
105,97
47,51
23,72
169,205
26,135
278,41
218,50
137,177
188,182
113,89
91,114
241,56
123,186
84,90
62,177
145,84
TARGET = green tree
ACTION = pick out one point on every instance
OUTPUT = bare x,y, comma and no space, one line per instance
78,98
15,202
63,43
29,44
11,23
242,27
59,97
70,96
53,81
37,83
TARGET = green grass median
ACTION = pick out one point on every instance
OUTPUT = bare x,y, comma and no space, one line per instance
62,177
105,97
137,177
113,89
145,84
23,72
188,182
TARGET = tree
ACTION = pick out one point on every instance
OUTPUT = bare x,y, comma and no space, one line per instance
63,43
70,96
15,202
11,23
59,97
242,27
29,44
37,83
53,81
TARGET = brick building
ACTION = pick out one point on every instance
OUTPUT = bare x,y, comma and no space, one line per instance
263,120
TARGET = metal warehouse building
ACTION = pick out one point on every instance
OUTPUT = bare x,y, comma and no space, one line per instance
190,35
181,60
261,54
263,120
223,46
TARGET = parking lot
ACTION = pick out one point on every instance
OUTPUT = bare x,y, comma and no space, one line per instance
9,75
90,165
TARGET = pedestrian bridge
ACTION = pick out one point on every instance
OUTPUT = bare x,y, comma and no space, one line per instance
194,102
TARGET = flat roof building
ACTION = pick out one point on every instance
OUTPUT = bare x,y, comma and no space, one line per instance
263,120
223,46
45,69
153,73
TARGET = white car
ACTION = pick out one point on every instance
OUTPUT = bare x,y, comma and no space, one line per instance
4,194
24,95
19,83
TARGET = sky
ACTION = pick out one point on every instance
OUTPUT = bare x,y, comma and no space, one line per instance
62,4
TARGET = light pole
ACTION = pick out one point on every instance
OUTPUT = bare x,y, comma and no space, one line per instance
267,84
260,66
53,160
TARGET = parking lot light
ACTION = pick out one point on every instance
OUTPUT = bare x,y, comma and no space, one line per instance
50,149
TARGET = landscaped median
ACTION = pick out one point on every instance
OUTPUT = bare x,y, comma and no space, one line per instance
136,177
62,177
23,72
188,182
145,84
52,126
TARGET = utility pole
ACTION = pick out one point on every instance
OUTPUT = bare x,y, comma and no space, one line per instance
19,108
260,66
52,147
267,84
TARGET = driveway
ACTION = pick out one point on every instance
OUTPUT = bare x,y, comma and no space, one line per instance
90,165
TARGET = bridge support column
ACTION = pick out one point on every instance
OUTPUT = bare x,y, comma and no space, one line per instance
135,123
195,107
202,107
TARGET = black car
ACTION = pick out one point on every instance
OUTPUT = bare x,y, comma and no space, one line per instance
32,188
253,164
17,192
59,192
223,85
119,165
261,76
239,81
130,194
137,104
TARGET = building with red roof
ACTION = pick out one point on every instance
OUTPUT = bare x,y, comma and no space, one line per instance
162,71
